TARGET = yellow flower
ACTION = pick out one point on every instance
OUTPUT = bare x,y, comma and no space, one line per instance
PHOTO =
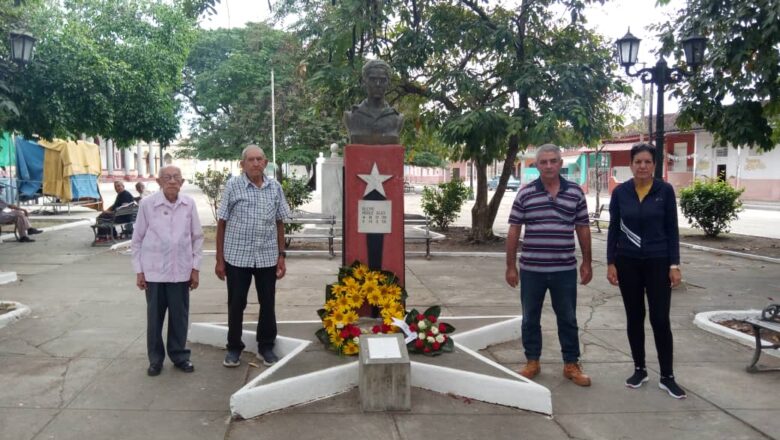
390,312
392,291
350,317
373,293
338,317
336,339
350,283
343,302
337,289
330,305
355,300
350,348
360,271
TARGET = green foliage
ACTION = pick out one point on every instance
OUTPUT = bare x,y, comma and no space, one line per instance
425,159
742,64
483,80
104,68
212,183
442,203
711,205
297,193
228,86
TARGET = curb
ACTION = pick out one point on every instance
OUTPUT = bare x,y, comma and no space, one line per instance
20,311
65,225
731,253
704,320
7,277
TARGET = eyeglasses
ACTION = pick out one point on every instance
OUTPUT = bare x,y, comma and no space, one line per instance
170,177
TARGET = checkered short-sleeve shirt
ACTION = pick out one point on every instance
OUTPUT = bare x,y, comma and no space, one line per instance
251,214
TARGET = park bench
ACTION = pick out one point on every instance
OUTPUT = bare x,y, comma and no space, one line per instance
123,217
12,223
324,228
765,322
595,217
328,228
422,231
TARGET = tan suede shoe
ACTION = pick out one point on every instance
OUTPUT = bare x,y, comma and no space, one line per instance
573,371
531,369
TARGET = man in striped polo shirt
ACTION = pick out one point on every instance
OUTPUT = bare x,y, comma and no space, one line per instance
552,209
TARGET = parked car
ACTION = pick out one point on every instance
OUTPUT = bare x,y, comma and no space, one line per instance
512,184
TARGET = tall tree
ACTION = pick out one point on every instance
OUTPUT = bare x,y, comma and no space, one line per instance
493,79
105,68
228,86
736,95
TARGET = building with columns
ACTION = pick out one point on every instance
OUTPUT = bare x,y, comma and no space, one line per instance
142,161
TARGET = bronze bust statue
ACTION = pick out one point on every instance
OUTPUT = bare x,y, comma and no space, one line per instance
373,121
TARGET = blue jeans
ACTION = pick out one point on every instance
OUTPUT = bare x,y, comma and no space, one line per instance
563,292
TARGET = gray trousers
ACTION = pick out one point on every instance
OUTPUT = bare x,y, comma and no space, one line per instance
175,298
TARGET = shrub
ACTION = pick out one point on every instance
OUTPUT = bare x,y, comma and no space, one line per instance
710,205
442,203
297,193
212,183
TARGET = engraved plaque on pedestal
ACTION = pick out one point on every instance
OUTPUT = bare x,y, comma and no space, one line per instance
374,216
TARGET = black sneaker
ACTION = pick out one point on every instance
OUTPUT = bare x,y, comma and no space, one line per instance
670,386
33,231
26,239
232,359
268,357
637,379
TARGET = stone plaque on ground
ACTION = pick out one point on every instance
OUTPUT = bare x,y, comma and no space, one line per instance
384,374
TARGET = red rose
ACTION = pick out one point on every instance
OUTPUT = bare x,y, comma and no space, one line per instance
420,317
436,346
413,327
386,328
427,349
431,318
429,333
419,343
442,328
376,329
344,333
355,331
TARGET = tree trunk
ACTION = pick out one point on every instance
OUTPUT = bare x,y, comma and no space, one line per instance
481,221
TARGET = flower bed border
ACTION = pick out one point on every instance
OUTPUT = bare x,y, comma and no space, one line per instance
708,321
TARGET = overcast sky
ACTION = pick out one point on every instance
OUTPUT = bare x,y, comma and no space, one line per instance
611,20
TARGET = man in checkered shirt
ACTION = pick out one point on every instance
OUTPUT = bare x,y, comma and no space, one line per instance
250,244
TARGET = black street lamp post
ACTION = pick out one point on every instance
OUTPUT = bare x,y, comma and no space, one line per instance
660,75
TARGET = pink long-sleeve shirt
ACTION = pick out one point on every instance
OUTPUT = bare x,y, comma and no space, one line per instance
167,239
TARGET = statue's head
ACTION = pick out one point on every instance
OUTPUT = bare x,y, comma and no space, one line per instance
376,78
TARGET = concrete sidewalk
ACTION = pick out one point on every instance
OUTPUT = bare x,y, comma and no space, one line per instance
76,367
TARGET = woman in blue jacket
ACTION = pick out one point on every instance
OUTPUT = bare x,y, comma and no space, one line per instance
643,257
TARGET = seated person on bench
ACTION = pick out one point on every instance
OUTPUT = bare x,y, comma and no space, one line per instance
17,216
123,197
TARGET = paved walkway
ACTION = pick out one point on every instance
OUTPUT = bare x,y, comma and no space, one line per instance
76,367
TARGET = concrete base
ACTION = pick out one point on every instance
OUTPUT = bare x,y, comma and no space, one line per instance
385,382
307,372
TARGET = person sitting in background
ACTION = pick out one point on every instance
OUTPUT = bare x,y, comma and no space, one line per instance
123,197
18,216
141,189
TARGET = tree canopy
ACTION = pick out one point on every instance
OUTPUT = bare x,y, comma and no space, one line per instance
228,86
490,80
104,68
742,64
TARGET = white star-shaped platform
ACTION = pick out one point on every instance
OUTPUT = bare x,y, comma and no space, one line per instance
374,181
307,372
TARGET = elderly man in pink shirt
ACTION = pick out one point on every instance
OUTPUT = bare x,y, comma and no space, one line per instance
167,250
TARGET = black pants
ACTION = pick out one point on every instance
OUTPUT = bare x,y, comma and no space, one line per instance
637,278
238,281
175,298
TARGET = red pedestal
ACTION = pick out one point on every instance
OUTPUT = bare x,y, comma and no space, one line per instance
389,160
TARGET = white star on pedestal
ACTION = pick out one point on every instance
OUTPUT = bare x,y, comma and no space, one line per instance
374,181
306,371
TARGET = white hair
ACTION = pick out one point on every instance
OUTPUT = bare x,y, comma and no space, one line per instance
548,148
249,148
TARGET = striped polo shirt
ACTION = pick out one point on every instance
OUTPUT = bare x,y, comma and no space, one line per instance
548,242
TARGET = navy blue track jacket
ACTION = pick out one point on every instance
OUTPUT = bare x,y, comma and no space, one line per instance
643,230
